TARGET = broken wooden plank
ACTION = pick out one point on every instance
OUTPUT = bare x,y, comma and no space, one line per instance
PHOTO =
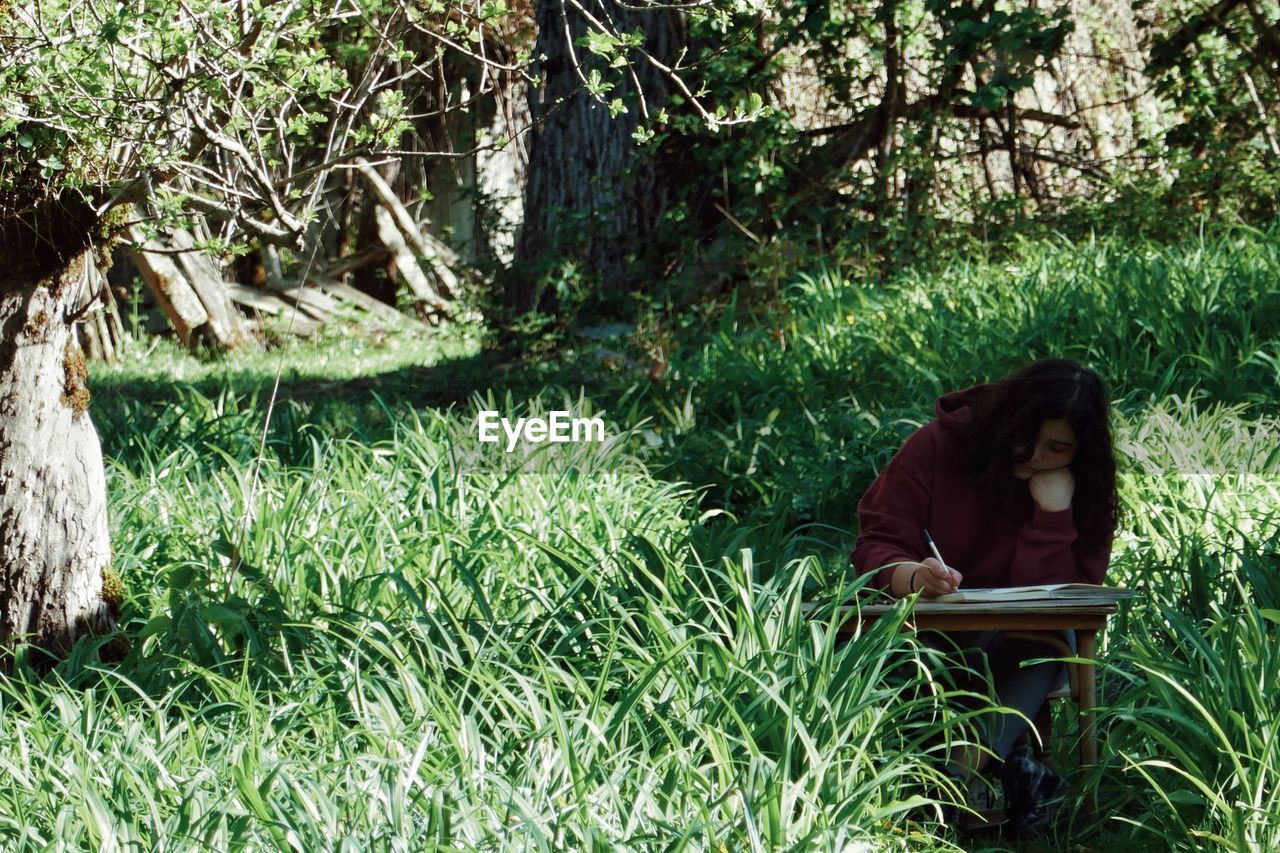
440,259
205,277
407,262
362,300
256,299
340,268
293,323
311,300
282,301
172,291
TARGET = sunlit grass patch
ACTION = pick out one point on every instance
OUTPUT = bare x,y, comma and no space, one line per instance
412,644
369,631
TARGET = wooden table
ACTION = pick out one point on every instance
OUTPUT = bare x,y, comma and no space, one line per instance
1020,617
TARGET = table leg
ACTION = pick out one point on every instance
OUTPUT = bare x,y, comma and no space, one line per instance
1088,700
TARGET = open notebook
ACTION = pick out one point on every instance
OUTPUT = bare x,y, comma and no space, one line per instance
1048,592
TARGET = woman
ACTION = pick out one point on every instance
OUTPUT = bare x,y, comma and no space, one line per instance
1015,481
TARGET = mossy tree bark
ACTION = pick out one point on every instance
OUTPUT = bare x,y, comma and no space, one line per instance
592,197
54,542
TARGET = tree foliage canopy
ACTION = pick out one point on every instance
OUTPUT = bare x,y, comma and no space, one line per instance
235,110
880,123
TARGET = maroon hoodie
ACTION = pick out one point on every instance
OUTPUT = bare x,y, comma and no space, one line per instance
924,486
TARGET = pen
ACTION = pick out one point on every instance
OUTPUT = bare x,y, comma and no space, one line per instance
934,548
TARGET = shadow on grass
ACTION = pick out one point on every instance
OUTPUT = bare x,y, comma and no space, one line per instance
225,410
436,385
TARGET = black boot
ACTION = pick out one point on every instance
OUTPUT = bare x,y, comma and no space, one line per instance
1032,792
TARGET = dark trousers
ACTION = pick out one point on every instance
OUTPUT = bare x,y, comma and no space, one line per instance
991,655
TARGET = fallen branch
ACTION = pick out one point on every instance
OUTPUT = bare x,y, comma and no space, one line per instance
441,259
407,262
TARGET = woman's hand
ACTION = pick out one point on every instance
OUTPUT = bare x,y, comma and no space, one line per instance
931,578
1052,490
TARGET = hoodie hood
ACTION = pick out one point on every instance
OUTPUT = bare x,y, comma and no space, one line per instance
955,409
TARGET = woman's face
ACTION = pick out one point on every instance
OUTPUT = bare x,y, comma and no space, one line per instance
1055,448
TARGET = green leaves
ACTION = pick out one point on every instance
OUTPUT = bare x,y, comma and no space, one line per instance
596,84
234,92
49,166
111,29
1207,716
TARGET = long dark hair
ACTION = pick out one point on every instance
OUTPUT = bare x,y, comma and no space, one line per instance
1010,413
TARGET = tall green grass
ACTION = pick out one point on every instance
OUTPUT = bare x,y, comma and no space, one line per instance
1195,730
415,644
367,632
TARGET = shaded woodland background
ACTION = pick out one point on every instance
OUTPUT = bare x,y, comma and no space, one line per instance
596,160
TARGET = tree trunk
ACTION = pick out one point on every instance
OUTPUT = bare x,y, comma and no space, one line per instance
592,197
54,545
